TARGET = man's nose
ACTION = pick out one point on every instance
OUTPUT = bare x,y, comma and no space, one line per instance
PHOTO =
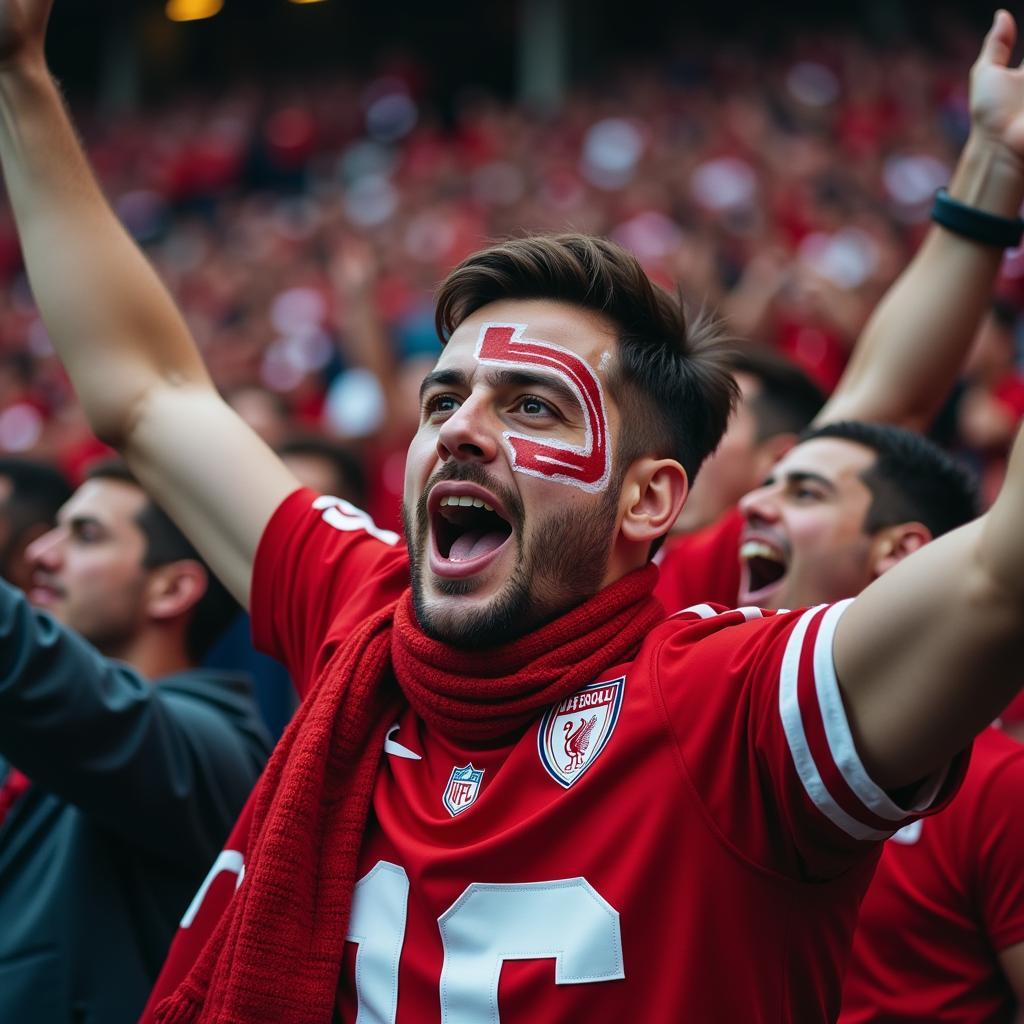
470,433
760,505
45,551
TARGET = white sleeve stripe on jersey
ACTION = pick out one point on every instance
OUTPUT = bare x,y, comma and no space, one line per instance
749,612
702,611
705,611
837,728
793,726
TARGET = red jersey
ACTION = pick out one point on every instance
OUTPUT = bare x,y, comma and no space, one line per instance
947,898
693,830
702,566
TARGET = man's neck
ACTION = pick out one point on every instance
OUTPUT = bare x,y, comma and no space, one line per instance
153,656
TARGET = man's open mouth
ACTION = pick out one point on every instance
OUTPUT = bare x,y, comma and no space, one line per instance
468,530
764,568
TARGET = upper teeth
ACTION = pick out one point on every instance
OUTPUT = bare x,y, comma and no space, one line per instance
464,501
758,549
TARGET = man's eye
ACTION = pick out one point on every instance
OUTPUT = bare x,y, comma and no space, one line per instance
533,406
440,404
807,494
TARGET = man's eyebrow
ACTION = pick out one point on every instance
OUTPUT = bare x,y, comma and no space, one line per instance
443,378
504,378
804,477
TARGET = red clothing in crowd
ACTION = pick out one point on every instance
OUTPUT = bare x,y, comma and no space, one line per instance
947,898
702,566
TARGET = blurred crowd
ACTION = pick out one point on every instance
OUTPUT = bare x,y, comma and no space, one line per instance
303,229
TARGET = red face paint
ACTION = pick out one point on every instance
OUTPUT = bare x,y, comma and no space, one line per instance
586,466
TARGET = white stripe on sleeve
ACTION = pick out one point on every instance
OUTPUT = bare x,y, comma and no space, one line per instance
793,726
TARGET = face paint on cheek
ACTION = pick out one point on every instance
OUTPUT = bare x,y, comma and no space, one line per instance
587,466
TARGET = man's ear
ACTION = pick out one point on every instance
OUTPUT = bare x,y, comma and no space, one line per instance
654,493
894,543
175,588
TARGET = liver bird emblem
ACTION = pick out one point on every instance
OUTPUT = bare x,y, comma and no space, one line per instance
577,740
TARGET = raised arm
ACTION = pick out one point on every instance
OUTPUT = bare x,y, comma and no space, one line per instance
913,347
134,365
931,652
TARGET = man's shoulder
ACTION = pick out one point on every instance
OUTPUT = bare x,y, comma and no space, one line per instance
698,622
703,644
215,694
322,567
209,685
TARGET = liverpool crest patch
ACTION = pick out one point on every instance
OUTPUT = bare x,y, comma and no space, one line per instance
463,788
574,732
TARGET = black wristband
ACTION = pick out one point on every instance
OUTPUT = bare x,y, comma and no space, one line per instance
977,225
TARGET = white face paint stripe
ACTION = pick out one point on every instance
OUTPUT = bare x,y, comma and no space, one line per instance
587,466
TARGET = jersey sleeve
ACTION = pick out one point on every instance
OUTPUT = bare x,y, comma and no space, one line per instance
758,715
321,567
702,566
1001,839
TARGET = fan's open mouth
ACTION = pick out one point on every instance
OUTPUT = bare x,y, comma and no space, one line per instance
764,568
468,530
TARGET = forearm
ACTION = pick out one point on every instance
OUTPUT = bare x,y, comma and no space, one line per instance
913,346
110,318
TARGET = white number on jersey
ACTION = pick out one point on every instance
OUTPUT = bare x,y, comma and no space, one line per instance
566,920
344,516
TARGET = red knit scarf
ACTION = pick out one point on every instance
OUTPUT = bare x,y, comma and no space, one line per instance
276,953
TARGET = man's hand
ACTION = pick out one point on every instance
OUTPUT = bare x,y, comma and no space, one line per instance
127,349
913,347
997,90
22,31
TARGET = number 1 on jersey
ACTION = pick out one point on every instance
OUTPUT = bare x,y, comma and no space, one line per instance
566,920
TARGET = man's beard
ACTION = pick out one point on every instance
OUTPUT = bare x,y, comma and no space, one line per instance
564,565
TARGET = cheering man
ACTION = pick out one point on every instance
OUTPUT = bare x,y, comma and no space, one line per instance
513,789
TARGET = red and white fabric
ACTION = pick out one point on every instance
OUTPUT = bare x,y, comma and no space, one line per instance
707,851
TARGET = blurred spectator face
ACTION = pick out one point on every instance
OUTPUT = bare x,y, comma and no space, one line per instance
803,539
88,571
30,495
322,475
739,464
14,565
317,474
263,412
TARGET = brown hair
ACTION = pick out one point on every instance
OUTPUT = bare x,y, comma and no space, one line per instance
786,399
671,378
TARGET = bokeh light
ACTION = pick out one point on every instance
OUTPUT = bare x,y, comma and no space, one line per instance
192,10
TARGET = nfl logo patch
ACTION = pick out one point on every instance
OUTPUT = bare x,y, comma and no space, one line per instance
576,730
463,788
